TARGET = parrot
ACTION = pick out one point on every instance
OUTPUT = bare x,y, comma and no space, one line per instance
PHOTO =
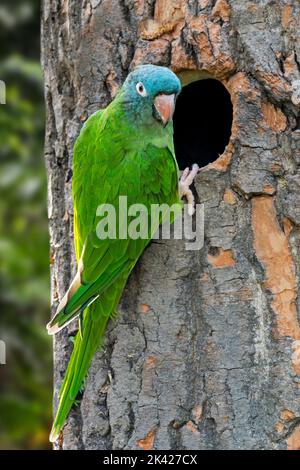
127,150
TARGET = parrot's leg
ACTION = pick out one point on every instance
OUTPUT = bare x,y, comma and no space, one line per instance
185,182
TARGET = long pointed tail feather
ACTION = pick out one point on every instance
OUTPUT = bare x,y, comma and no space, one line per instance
95,319
83,352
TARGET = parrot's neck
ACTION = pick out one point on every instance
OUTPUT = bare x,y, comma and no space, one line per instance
140,125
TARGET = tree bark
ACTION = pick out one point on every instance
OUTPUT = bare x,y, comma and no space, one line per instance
205,353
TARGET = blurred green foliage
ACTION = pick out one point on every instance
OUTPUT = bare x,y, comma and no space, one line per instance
25,381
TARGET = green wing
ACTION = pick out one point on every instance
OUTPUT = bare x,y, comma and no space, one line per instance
104,169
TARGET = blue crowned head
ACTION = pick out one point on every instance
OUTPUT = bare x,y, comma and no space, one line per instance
149,94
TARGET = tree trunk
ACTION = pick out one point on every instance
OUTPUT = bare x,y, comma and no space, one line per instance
205,353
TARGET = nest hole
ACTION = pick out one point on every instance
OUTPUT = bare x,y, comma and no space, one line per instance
202,122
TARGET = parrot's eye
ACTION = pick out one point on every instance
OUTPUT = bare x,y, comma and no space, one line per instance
141,89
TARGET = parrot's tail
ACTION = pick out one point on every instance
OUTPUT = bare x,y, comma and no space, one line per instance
87,342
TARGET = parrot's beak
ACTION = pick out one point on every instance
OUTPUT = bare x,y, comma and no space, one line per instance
164,107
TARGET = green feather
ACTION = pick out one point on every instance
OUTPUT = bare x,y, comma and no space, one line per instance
110,159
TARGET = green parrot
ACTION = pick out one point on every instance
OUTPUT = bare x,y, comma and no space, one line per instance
124,150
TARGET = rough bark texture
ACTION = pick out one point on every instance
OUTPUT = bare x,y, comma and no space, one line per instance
206,351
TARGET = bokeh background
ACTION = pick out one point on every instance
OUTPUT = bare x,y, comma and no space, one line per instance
25,380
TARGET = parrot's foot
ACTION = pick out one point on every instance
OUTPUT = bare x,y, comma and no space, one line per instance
185,182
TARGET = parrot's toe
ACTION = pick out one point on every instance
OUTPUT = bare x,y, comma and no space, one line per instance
185,182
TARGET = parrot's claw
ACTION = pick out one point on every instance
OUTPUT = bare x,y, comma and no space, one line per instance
185,182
